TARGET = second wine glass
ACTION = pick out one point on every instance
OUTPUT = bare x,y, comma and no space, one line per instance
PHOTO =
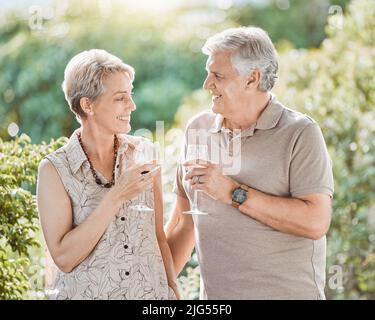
194,153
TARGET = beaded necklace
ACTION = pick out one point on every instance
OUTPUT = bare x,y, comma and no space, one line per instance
97,179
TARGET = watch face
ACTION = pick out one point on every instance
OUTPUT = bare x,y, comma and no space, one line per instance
239,195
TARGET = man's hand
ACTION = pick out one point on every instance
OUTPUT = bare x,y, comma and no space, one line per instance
209,178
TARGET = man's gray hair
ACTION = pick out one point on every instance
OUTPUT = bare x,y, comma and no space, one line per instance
253,50
83,77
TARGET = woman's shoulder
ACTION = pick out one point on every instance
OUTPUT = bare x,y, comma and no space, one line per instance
49,166
57,156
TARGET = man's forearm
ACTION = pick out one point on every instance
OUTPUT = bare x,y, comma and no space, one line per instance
168,264
306,216
181,243
289,215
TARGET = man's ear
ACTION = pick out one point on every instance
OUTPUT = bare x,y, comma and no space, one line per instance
86,106
253,79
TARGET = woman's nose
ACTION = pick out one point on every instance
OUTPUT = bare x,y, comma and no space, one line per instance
133,106
130,105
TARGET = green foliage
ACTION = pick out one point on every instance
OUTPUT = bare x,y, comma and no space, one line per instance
13,280
189,282
19,161
33,61
300,22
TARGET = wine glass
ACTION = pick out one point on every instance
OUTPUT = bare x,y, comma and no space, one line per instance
193,153
144,152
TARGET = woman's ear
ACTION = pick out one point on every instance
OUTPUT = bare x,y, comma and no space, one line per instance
253,79
86,106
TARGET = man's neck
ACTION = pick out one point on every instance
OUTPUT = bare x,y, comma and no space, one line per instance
256,108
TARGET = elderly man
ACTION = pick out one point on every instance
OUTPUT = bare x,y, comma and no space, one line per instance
264,234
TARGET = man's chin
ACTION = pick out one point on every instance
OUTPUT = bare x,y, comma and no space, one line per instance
215,109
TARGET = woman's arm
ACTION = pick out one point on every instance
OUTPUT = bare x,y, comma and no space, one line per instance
162,240
70,245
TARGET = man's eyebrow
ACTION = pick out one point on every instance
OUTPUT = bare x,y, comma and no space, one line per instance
214,72
120,92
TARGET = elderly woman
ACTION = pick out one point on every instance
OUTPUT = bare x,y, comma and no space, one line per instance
103,249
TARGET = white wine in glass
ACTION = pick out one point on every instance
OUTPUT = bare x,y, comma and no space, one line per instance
194,153
144,153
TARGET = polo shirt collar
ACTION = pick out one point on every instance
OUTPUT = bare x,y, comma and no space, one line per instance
267,120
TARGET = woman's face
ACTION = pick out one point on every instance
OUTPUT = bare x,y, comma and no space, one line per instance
112,110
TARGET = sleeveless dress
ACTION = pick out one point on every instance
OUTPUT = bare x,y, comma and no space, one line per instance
126,263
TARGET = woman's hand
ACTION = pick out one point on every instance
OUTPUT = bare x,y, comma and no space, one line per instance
132,182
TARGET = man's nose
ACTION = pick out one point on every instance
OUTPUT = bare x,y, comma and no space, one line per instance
208,83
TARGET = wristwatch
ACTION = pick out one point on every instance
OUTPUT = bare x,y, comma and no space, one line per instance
239,195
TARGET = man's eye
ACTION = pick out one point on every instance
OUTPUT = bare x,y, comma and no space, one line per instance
120,99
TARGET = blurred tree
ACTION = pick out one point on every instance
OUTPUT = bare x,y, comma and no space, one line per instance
300,22
35,51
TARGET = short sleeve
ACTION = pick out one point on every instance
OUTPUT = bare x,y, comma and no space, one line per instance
310,168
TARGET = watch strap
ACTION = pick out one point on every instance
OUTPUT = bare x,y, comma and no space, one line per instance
245,187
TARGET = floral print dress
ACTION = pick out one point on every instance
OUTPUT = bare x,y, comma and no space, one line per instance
126,263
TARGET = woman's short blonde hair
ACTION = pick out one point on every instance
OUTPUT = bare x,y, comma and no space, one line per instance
83,77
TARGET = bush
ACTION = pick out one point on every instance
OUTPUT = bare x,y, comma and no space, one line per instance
19,161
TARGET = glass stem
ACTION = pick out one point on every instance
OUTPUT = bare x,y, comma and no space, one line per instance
195,201
143,198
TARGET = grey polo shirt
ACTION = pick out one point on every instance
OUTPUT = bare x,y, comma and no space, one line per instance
282,154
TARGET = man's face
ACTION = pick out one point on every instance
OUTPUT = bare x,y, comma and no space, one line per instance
226,86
